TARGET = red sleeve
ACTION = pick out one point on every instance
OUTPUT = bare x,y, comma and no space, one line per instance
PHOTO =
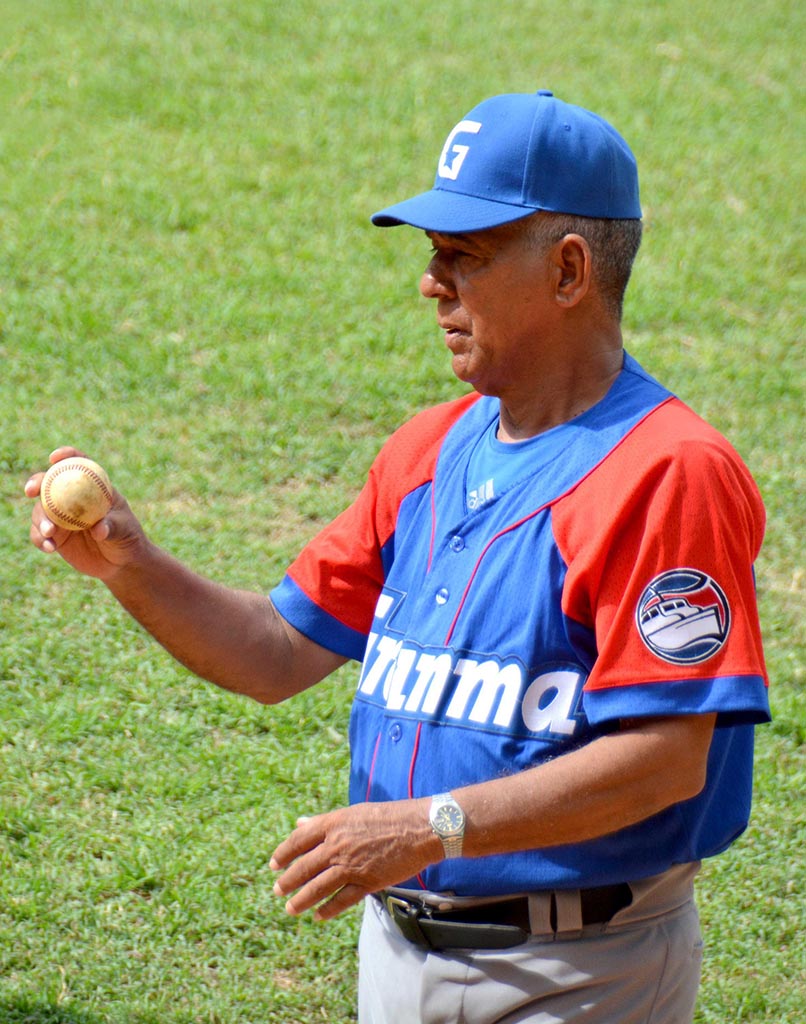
660,541
342,569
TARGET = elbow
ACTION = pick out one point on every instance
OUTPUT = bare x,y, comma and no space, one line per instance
268,698
691,764
692,782
248,680
669,788
679,758
265,691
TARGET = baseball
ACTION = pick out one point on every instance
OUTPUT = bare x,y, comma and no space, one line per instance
76,493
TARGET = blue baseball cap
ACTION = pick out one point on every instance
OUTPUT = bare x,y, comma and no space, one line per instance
515,154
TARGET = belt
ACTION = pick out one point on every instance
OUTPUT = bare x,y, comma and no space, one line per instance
490,925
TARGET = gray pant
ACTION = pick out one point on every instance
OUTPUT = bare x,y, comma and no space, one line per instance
643,967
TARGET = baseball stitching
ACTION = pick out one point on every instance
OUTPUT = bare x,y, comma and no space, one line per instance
73,520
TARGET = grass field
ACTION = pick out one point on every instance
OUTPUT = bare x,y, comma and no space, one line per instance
190,290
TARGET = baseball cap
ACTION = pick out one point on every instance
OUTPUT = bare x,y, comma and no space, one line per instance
518,153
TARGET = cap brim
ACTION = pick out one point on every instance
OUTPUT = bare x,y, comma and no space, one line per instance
450,213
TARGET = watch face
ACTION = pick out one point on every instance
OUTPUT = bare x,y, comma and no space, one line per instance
448,819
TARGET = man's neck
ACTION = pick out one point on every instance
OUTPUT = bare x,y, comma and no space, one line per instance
558,398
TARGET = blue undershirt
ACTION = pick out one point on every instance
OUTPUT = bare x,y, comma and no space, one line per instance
495,466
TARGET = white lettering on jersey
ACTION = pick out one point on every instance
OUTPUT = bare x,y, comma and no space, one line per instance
459,688
433,672
550,700
384,605
393,687
489,678
458,152
388,650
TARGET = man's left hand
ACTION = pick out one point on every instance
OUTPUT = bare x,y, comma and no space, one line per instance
332,861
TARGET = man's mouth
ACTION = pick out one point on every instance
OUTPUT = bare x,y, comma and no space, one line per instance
453,334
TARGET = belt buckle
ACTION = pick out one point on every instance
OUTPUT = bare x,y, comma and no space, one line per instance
441,933
406,916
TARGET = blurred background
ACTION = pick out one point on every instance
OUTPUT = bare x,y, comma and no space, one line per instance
191,291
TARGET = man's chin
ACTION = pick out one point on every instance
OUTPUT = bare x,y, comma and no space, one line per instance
463,372
477,383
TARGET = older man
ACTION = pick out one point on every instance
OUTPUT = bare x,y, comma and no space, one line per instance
549,584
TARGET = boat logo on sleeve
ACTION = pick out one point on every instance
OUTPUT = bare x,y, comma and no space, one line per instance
683,616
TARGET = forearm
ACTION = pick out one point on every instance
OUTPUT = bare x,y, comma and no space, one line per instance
233,638
612,783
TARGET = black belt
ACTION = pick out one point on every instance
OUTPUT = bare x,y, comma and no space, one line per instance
497,925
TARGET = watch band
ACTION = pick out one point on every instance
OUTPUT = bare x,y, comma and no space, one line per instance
448,822
452,846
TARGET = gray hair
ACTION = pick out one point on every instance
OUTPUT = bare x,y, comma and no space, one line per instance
613,243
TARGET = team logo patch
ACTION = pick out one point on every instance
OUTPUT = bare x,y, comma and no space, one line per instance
683,616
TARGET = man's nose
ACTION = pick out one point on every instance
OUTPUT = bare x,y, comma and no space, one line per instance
435,282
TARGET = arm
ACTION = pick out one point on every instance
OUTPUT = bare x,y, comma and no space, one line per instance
233,638
609,784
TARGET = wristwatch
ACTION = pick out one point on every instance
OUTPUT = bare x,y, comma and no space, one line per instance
448,821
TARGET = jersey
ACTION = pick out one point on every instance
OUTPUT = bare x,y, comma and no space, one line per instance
612,578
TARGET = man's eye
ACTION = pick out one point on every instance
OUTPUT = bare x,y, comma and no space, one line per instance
447,252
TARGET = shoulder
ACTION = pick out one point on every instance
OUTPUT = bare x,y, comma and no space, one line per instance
415,445
672,467
672,437
674,440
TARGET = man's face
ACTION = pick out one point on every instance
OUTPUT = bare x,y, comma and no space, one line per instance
492,290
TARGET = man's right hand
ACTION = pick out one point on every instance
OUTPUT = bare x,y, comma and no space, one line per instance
112,543
234,638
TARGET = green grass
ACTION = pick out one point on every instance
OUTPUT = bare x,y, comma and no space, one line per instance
190,290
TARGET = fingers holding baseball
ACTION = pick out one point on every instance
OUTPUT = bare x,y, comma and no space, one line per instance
80,515
65,451
33,484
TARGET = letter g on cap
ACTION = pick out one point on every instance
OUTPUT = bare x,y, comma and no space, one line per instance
457,152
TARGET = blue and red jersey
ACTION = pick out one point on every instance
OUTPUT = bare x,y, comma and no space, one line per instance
611,578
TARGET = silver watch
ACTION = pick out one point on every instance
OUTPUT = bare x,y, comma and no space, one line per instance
448,821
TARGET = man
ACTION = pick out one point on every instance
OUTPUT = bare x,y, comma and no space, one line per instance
549,582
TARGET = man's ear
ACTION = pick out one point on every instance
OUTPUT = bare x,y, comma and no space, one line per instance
573,269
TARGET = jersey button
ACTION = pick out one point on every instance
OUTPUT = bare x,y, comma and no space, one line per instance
442,595
395,732
457,543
